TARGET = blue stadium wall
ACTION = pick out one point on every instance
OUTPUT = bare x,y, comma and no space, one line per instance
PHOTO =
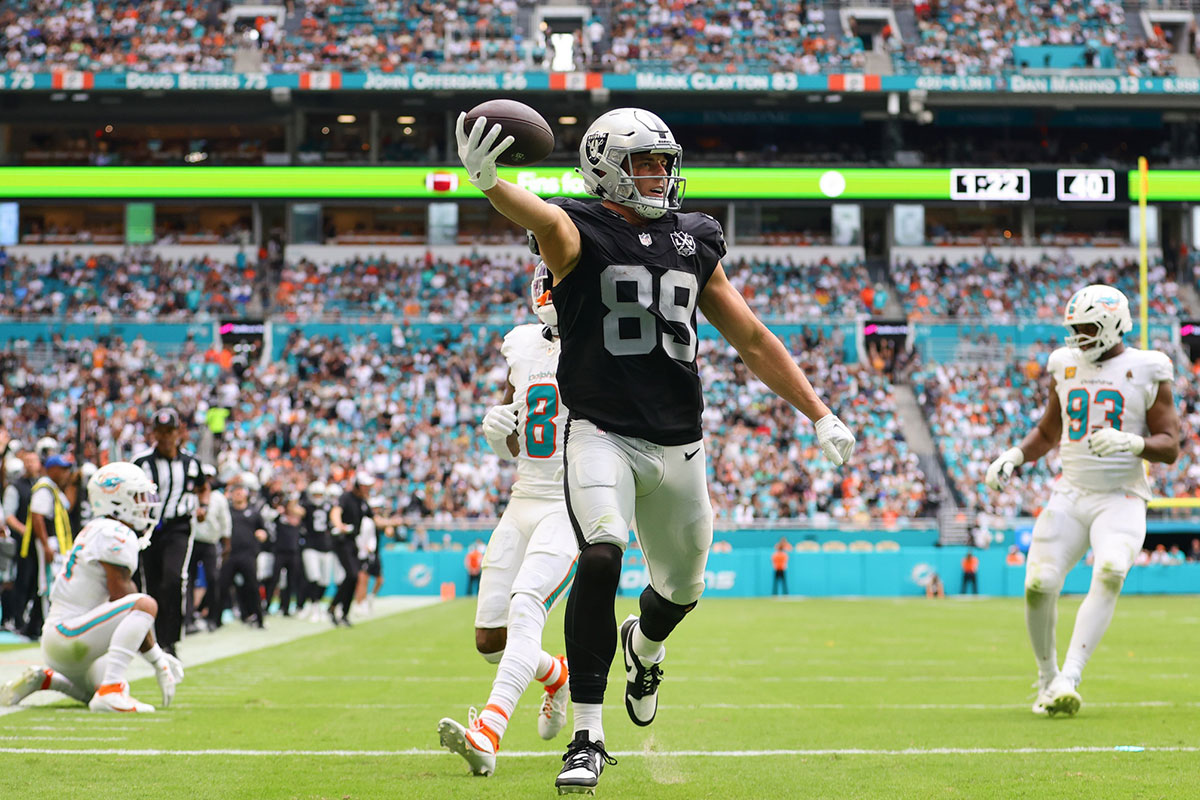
748,573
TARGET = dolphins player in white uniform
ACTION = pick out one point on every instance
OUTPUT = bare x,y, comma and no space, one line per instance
1110,408
98,620
530,559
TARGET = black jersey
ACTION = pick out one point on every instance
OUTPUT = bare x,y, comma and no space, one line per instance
316,526
627,320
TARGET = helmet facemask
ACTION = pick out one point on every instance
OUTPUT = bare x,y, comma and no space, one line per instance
646,203
142,515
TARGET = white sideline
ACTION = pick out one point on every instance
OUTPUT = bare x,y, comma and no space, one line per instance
752,706
852,751
232,640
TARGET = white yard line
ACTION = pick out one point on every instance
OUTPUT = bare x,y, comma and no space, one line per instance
853,751
725,678
63,738
740,706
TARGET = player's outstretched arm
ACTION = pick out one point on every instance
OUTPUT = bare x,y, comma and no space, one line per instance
1037,443
557,236
770,361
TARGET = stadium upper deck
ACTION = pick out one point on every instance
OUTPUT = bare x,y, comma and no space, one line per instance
807,38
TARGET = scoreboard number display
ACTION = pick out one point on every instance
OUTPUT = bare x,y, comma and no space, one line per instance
1087,185
989,184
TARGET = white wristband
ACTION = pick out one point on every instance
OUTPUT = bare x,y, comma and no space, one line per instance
153,654
1016,455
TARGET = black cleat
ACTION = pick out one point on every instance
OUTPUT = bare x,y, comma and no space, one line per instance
641,680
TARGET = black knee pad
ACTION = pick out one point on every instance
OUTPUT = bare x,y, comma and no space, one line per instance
660,615
601,563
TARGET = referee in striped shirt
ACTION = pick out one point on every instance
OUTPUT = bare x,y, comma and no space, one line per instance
179,476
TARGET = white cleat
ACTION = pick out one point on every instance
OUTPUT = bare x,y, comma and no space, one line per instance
115,697
1042,702
553,716
472,744
1063,697
33,679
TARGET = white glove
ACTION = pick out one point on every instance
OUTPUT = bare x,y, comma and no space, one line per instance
476,152
1110,441
1000,470
498,424
836,440
168,671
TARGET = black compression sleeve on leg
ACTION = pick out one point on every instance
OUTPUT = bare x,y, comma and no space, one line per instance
660,615
591,625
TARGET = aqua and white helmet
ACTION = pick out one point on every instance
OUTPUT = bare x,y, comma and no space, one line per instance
1103,306
604,160
539,294
124,492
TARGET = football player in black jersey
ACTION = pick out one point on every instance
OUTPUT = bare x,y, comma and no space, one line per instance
629,273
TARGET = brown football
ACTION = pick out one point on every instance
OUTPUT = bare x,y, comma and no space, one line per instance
534,139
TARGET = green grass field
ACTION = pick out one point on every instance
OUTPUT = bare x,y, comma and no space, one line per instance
868,699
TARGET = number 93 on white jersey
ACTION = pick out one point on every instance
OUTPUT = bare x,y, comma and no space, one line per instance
1114,393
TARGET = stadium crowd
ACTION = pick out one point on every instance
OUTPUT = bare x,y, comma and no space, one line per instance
726,36
472,287
467,35
1003,289
974,38
478,286
132,285
406,410
790,289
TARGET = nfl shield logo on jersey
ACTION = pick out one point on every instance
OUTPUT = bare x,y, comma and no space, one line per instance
684,243
645,239
594,148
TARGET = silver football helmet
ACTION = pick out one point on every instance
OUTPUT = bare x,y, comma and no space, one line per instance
607,170
543,303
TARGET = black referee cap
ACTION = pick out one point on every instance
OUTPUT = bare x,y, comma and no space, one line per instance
166,418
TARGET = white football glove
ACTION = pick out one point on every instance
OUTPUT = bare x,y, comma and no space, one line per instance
1110,441
168,671
476,152
498,424
836,440
1000,470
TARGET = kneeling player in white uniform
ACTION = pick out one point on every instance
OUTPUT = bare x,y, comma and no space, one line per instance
530,559
98,619
1110,407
